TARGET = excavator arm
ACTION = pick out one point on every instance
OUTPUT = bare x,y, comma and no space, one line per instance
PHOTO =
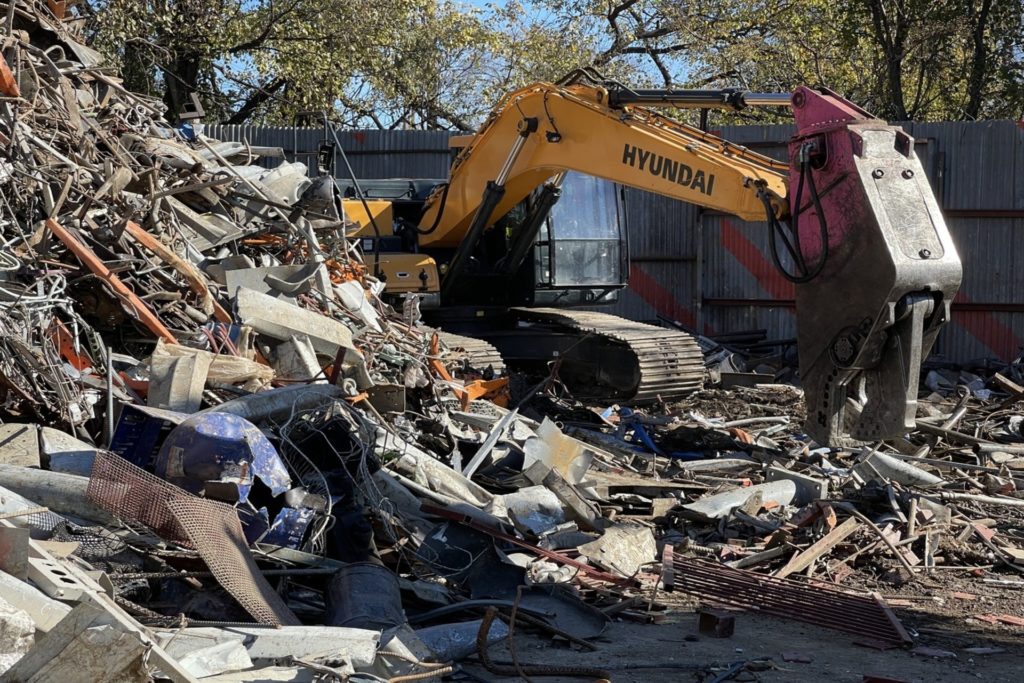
854,223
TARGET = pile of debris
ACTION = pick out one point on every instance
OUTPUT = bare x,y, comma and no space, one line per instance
212,423
752,515
224,457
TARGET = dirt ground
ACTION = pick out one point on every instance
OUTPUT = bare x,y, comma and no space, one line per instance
673,650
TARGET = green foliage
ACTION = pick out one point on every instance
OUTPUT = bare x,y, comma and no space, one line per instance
441,64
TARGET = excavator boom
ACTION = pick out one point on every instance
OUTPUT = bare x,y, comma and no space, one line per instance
542,130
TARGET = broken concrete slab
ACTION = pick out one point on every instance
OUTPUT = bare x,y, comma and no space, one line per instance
19,444
295,359
68,652
266,645
44,611
280,320
64,453
223,369
623,549
215,659
177,382
17,634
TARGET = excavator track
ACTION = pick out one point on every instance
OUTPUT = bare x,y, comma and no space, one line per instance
666,363
477,352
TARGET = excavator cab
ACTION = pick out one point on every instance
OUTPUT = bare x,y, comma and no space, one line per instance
581,256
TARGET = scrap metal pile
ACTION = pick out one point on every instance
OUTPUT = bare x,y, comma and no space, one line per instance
212,424
223,457
752,515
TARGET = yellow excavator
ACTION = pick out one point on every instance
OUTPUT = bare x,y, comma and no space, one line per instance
495,257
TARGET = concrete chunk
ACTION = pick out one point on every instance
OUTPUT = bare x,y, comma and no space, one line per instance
296,359
301,642
64,453
19,444
44,610
177,382
623,548
17,634
216,659
281,320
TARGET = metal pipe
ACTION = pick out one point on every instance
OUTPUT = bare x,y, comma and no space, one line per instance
109,417
960,410
729,98
950,435
1013,449
506,168
946,496
362,199
767,99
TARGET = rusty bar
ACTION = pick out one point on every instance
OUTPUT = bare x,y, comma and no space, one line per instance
195,280
776,603
800,600
136,306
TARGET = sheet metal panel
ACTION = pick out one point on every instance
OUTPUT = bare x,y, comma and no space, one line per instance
660,228
981,163
372,153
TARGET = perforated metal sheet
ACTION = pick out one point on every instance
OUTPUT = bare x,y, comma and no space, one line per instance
132,494
216,533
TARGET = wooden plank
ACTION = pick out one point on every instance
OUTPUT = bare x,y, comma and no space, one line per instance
818,548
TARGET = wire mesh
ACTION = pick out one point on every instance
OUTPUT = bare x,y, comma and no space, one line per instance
132,494
215,531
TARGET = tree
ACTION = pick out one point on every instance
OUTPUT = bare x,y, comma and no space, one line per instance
901,59
440,64
386,63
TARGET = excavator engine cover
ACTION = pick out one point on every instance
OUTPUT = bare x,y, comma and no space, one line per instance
871,315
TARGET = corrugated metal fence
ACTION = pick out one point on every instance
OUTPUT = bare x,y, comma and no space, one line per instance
713,273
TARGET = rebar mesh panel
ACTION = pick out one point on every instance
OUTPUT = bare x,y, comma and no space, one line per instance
817,604
132,494
216,533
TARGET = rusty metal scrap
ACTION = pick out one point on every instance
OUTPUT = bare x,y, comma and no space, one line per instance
215,531
132,494
818,604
